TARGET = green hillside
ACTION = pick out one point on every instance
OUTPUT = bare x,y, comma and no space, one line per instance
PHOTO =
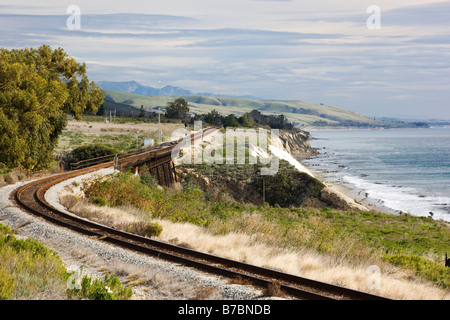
300,113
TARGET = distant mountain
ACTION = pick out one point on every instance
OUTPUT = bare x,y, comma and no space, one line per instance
167,91
137,88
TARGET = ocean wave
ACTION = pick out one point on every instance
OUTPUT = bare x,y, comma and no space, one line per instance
398,198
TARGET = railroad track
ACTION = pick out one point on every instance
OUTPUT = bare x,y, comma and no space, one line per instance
32,198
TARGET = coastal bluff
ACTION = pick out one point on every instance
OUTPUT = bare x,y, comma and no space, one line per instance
293,185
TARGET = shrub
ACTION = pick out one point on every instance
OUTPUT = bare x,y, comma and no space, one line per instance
107,288
89,152
422,267
8,179
147,178
125,189
3,168
100,201
7,284
146,229
4,229
27,268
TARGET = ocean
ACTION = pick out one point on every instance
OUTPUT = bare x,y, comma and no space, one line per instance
404,170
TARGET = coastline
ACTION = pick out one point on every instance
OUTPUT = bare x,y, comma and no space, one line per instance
347,192
352,194
313,129
412,178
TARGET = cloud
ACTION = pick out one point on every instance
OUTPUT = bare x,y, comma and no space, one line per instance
319,51
433,14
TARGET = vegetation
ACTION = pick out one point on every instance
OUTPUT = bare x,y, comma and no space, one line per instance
425,268
354,236
177,109
38,88
299,113
107,140
287,188
418,244
249,120
126,190
107,288
89,152
29,270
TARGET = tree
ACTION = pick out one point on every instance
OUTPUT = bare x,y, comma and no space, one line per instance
38,88
231,121
246,120
177,109
101,110
213,117
142,112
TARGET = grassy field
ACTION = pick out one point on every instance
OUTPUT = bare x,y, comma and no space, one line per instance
122,136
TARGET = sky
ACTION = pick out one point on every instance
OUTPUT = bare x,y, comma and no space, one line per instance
394,62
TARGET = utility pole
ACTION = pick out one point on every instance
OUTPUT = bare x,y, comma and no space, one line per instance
159,114
137,140
159,125
264,193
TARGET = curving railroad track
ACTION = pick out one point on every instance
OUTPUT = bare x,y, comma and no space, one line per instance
31,197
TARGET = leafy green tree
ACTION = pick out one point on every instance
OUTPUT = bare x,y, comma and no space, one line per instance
177,109
101,110
38,88
214,117
231,121
246,120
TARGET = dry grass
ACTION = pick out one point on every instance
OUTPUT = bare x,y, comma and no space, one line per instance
101,128
13,176
274,290
258,250
117,218
204,293
307,263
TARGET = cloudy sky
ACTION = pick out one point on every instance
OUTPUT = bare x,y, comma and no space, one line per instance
319,51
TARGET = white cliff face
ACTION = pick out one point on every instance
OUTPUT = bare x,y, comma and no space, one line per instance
328,194
280,153
284,155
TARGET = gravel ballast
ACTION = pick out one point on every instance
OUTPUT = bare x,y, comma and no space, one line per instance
151,278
